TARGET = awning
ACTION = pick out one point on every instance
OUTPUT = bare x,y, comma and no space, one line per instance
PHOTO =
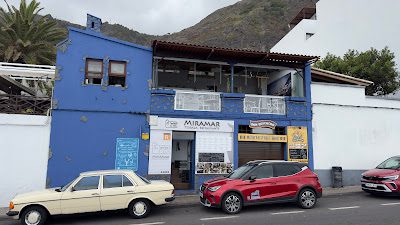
191,51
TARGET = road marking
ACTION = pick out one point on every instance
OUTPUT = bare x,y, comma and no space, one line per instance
218,218
290,212
155,223
348,207
393,203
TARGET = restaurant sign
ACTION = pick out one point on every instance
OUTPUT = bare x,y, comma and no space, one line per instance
262,124
262,137
297,144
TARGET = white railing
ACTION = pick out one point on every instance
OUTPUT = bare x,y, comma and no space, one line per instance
264,104
197,101
28,71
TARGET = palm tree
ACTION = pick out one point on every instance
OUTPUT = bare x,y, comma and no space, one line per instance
27,37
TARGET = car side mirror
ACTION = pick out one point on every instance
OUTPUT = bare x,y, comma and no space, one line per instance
73,189
252,178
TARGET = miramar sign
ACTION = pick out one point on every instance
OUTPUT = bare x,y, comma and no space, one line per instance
185,124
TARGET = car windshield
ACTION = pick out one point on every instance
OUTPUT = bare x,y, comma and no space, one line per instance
63,188
239,172
392,164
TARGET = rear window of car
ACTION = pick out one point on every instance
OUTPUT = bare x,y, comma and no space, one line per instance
286,169
143,179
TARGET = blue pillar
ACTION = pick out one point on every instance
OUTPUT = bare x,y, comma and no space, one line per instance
307,87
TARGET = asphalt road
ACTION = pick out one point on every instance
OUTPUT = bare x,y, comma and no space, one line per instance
349,209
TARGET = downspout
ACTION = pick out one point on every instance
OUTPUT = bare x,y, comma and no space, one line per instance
232,72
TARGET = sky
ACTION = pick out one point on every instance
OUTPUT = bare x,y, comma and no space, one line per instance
156,17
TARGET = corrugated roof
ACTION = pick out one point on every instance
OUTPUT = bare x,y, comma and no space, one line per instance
338,77
184,50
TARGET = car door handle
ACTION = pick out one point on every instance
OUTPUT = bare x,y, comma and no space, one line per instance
129,191
94,194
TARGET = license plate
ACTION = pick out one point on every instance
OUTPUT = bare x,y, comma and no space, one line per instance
371,185
201,194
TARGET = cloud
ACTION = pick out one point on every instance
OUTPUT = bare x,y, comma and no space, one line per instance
146,16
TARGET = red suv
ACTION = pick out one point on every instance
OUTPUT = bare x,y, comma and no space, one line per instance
384,179
259,182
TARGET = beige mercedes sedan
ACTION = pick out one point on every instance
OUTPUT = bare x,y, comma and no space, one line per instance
92,192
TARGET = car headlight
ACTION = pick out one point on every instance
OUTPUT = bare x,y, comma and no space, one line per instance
215,188
392,177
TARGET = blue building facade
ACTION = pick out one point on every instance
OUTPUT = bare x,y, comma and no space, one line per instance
195,112
88,117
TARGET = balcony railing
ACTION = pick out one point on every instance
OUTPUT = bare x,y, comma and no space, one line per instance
19,104
197,101
264,104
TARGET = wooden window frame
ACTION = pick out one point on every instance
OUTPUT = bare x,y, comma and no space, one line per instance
87,67
113,74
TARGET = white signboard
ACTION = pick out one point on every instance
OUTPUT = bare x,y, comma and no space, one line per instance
160,152
214,153
181,124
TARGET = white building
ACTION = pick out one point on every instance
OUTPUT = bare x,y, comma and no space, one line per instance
339,25
24,129
350,129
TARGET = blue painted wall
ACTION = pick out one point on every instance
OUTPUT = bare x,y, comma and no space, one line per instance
87,119
298,113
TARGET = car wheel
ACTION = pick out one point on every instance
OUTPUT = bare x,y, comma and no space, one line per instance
33,215
139,208
232,203
307,198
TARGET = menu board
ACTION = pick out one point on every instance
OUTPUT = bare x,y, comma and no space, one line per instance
214,152
298,154
297,143
211,157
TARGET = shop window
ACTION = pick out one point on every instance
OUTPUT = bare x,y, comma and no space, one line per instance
93,71
117,73
280,130
244,129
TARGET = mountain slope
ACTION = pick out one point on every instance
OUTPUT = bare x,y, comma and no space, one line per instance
249,24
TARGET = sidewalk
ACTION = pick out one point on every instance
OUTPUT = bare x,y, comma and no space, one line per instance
188,200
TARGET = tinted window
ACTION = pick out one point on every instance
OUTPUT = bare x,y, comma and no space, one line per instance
127,182
264,171
87,183
392,163
112,181
285,169
239,172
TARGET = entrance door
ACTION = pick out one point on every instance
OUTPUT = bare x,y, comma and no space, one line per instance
249,151
181,160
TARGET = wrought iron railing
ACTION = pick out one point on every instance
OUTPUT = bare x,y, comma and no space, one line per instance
19,104
197,101
264,104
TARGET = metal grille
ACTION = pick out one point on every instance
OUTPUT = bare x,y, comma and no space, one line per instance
197,101
264,104
19,104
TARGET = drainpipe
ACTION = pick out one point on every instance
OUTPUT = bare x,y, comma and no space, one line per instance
232,72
